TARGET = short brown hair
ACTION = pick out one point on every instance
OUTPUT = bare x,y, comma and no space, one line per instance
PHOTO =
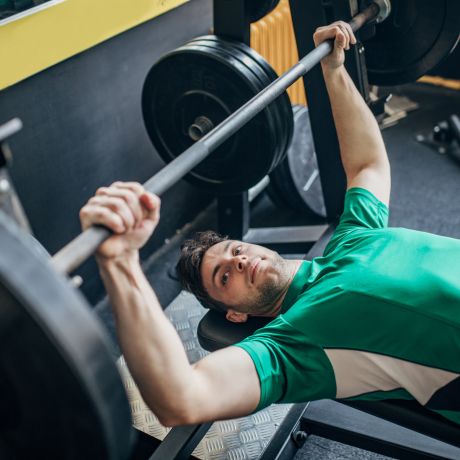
189,267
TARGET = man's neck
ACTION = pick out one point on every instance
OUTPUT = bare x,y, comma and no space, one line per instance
292,267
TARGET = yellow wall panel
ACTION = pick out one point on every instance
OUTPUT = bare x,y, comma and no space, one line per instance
33,43
273,37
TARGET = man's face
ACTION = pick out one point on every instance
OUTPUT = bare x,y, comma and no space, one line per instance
248,278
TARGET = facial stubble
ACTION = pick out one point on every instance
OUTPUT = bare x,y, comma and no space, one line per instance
271,290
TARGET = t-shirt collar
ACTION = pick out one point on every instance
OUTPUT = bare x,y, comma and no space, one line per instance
298,285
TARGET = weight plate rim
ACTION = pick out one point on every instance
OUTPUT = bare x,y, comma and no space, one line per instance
302,204
306,207
283,181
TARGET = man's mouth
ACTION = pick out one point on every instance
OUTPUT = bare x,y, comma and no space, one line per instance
254,268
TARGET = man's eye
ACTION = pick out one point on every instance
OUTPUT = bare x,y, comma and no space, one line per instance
237,250
225,279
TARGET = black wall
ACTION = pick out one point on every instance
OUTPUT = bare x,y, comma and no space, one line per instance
83,128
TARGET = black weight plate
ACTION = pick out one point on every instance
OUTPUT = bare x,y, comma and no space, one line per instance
194,81
257,9
62,395
295,181
416,36
283,103
259,80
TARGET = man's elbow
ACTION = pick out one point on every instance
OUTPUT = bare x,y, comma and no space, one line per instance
174,413
178,417
171,421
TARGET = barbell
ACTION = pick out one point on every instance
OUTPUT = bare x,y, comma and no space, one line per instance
64,395
210,134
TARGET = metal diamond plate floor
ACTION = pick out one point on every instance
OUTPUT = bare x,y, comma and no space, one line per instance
237,439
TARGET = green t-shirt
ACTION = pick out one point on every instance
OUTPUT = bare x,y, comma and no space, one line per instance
376,317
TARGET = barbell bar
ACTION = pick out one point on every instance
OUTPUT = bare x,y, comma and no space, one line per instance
84,245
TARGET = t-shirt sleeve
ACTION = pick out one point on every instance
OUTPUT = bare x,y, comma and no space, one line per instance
362,210
290,369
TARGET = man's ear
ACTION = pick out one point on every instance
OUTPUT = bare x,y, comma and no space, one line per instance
236,316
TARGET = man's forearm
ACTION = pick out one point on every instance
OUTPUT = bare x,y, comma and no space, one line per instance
152,348
361,143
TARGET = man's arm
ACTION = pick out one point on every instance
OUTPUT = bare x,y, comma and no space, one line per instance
362,150
222,385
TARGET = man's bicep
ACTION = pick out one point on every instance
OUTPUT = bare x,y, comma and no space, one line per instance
227,385
375,179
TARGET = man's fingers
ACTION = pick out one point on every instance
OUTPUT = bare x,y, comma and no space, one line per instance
152,204
129,201
346,29
330,33
128,211
118,205
325,33
99,215
345,41
334,31
340,40
135,187
350,33
128,195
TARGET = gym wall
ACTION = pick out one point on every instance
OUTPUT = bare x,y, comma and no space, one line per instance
83,128
45,35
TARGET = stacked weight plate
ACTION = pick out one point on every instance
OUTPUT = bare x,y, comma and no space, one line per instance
210,77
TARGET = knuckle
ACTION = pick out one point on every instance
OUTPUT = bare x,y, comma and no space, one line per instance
131,199
117,203
101,191
100,213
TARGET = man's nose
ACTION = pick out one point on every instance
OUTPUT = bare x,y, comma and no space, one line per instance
241,262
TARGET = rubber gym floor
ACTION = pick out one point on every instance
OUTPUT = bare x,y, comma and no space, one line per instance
425,196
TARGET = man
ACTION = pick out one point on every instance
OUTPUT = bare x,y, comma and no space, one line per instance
377,316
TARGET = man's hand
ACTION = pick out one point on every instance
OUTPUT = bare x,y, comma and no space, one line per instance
342,35
126,209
